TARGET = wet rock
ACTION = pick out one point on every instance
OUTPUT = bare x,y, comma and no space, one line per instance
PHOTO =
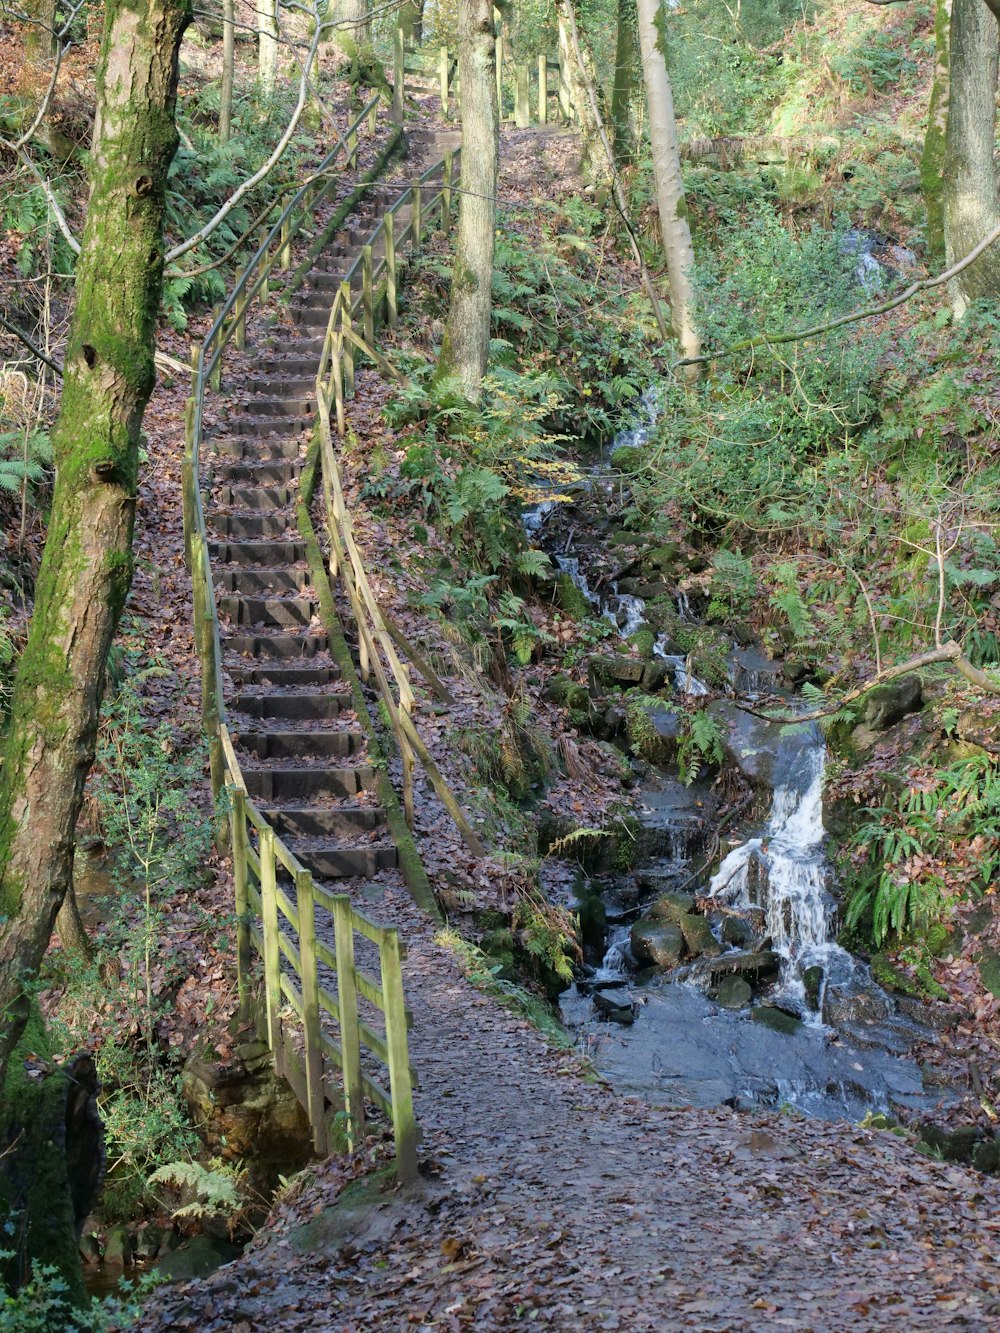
698,937
147,1242
794,672
812,980
854,1006
888,704
197,1257
749,743
776,1019
118,1248
753,965
614,722
954,1145
90,1249
657,942
734,993
986,1157
654,733
615,670
570,598
672,907
568,693
666,558
655,676
615,1006
736,930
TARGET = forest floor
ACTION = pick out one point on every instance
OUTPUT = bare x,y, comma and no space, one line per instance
546,1198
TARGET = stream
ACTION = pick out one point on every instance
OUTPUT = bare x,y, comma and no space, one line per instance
766,1009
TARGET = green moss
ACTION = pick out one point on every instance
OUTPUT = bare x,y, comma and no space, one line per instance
570,598
645,641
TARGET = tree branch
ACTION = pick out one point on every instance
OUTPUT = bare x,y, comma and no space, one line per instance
925,284
35,351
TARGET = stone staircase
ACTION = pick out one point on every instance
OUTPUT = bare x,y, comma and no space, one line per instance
303,752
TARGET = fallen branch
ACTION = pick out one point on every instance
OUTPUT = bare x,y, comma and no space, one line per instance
35,351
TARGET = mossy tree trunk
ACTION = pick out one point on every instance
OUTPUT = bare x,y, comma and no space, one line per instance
626,53
932,161
677,246
969,194
582,79
356,14
465,347
87,563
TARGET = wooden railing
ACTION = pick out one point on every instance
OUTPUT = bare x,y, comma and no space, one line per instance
532,85
374,303
294,964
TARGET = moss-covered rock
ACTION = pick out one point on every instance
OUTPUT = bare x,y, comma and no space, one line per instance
570,598
644,642
659,943
653,732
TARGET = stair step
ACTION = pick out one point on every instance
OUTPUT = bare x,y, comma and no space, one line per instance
293,707
256,497
324,822
279,675
303,784
251,527
259,451
284,612
293,364
346,862
267,554
282,647
246,582
278,385
295,405
271,470
284,426
301,744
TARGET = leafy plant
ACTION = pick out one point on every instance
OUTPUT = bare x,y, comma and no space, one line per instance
43,1305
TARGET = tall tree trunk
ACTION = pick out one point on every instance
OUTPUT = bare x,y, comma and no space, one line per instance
578,65
228,69
667,176
267,45
466,342
87,563
621,96
411,17
932,160
971,208
355,14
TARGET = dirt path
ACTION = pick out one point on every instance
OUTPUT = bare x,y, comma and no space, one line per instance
549,1200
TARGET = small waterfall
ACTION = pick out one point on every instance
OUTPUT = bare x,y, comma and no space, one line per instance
783,870
617,962
683,678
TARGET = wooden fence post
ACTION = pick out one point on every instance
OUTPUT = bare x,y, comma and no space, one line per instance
416,219
443,75
264,233
272,952
367,295
543,89
285,253
447,176
315,1094
398,75
337,374
215,378
348,349
238,821
240,328
391,293
347,1003
352,149
373,118
522,115
403,1122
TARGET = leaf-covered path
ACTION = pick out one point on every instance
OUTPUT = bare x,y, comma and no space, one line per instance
549,1200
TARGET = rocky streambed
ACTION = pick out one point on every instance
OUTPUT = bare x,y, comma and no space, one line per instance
713,975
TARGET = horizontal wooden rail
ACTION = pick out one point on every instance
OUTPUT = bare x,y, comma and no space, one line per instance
374,304
293,929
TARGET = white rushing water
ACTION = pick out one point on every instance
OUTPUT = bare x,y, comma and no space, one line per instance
783,871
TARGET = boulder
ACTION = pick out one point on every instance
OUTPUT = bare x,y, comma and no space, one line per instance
736,930
672,907
654,733
749,743
888,704
812,980
118,1251
776,1019
197,1257
734,993
989,971
614,670
615,1006
698,937
90,1249
147,1242
657,942
854,1006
